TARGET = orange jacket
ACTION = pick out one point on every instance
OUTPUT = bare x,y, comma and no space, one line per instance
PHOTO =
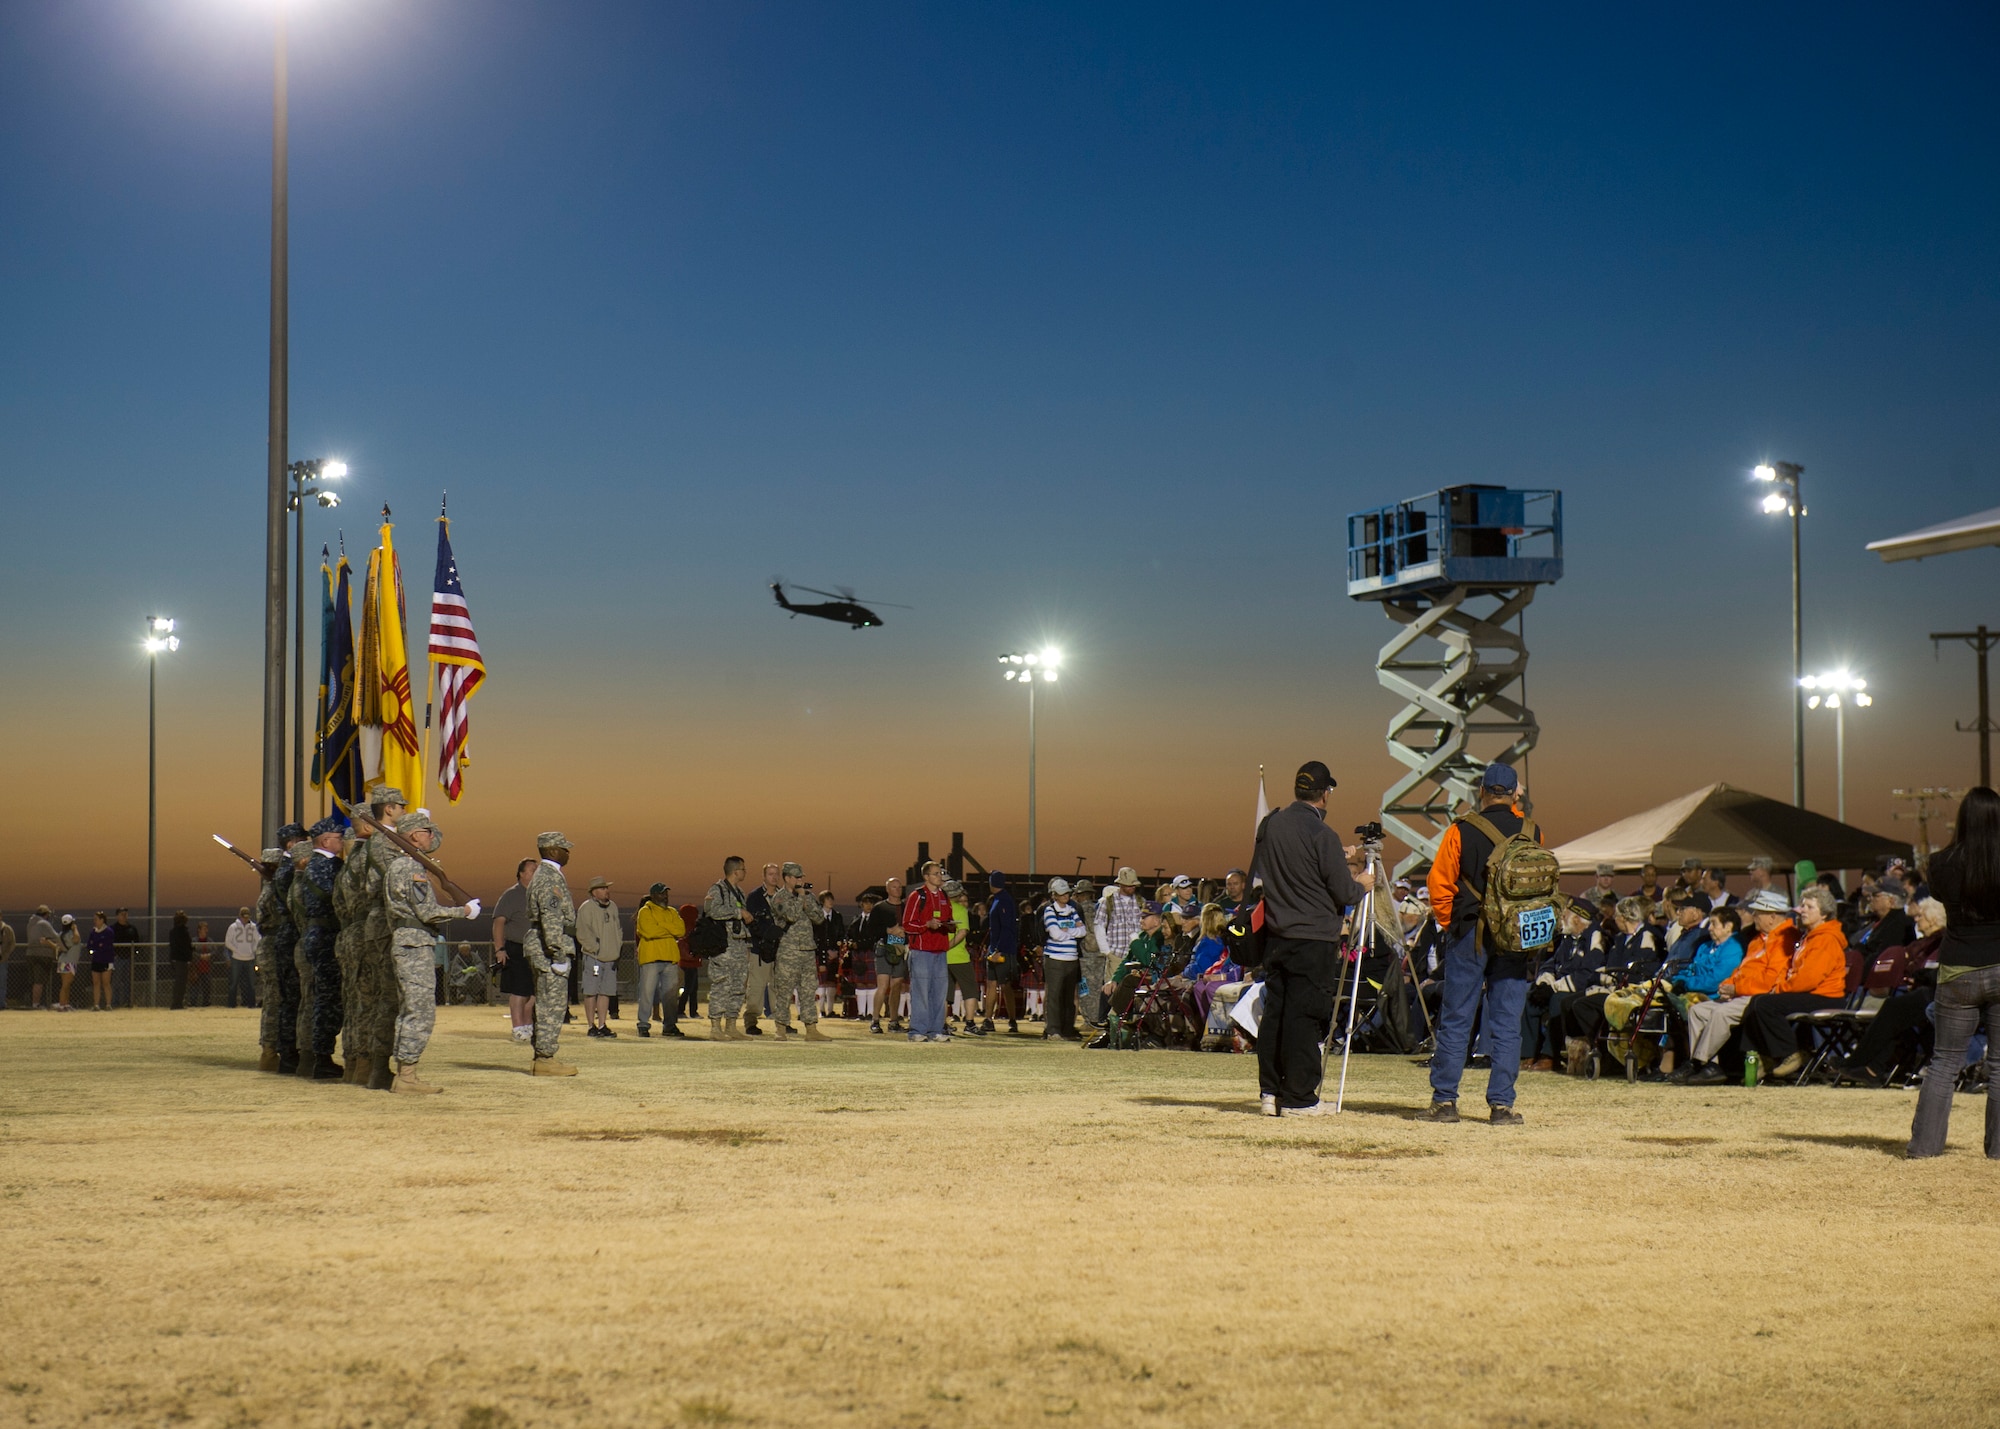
1767,962
1820,964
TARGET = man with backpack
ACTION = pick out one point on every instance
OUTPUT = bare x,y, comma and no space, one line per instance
1493,894
722,935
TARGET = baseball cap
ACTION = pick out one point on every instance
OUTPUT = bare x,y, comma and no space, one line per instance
657,889
1313,779
1058,885
1500,776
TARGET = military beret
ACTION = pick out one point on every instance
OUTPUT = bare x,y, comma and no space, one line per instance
331,824
791,870
291,832
386,794
551,839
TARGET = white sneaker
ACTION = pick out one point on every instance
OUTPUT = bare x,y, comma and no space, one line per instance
1316,1109
1268,1103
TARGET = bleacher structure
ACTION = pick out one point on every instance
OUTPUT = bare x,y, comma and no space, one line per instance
1454,569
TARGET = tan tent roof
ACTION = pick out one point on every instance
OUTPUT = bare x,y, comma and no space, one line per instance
1725,827
1982,528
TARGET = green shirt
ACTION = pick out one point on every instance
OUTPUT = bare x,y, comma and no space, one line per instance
1143,955
958,952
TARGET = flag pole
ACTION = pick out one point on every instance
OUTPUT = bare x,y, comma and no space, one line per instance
319,730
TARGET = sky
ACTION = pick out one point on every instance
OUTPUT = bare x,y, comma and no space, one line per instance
1083,325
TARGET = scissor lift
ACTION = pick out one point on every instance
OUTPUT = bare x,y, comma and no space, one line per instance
1454,566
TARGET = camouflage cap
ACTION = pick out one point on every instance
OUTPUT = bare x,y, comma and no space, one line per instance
552,839
420,819
386,794
291,832
791,870
271,855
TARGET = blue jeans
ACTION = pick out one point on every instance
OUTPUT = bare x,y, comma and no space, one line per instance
242,983
659,983
1465,979
1962,1005
928,984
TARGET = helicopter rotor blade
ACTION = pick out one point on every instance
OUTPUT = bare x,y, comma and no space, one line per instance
827,593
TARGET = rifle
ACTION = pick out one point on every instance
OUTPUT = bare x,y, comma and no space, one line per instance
367,823
262,871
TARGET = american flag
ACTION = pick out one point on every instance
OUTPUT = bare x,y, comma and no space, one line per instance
454,650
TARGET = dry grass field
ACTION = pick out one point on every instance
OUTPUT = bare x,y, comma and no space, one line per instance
997,1233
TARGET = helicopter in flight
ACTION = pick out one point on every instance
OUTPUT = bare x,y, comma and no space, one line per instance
842,608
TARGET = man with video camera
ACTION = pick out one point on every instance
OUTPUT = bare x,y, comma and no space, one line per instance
1308,887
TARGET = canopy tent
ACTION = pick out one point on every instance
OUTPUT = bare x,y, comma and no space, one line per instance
1979,529
1725,827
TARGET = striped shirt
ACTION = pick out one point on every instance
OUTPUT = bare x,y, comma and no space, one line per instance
1063,929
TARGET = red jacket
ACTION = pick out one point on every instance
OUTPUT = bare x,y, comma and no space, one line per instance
917,911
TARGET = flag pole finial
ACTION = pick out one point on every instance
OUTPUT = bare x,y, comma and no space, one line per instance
343,545
385,511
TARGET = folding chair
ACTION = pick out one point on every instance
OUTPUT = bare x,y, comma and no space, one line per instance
1836,1032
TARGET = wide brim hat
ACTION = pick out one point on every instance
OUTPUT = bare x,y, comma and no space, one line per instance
1770,901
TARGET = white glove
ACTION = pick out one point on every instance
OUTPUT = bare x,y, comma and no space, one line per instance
472,909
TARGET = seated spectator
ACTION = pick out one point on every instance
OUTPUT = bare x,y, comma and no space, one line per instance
1887,925
1715,887
1634,957
1209,966
1717,957
1687,933
1142,956
1574,964
1769,958
1815,981
1904,978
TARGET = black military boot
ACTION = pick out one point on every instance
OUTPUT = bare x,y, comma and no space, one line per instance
325,1069
288,1061
381,1075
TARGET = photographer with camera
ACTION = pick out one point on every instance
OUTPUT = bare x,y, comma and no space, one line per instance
1482,959
1308,886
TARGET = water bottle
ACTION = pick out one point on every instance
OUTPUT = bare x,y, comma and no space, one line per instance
1753,1068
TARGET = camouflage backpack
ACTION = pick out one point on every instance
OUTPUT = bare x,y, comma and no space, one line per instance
1517,910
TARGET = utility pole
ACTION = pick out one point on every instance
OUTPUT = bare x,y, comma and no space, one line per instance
1927,801
1981,640
274,476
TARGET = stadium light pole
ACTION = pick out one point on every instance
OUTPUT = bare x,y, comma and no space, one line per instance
1031,668
1836,690
159,636
274,479
1785,498
304,478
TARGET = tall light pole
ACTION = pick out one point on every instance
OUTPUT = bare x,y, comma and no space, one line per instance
1836,690
304,477
1785,476
274,482
1035,667
159,636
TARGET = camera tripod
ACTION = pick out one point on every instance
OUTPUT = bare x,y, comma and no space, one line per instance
1360,934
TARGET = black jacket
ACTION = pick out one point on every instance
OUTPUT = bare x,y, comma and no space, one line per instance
1307,888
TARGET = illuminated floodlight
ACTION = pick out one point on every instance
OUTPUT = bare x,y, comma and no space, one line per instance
1766,472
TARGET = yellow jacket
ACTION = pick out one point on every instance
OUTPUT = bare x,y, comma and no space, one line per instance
659,932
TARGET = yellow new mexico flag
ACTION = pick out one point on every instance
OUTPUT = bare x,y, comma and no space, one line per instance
383,705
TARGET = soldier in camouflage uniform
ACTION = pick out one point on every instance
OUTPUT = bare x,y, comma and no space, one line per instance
264,965
319,973
728,969
549,943
375,966
277,974
414,918
796,910
351,911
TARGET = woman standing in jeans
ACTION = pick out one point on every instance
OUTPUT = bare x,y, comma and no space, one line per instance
1965,877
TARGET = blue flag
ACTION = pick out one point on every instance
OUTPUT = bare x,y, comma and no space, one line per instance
337,751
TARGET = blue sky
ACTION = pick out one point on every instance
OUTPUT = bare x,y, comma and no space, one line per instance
1080,323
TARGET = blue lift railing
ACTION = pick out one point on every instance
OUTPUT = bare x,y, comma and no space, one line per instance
1461,536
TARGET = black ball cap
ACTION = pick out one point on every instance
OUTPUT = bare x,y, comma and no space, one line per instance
1313,779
